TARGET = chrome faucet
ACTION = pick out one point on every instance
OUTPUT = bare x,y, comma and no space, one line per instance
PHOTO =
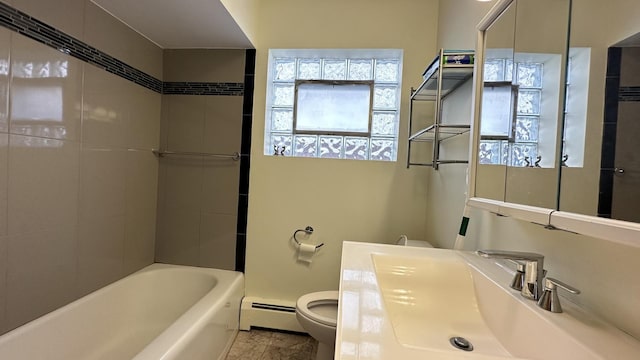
549,299
533,269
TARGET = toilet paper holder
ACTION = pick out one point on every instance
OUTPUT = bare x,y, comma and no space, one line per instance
307,230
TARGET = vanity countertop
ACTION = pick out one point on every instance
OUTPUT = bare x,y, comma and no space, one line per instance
365,328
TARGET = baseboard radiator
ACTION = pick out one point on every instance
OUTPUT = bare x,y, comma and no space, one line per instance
268,313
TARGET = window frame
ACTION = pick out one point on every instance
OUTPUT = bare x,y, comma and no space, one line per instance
514,88
369,83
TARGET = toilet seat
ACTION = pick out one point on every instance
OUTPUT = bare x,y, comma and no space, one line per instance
306,303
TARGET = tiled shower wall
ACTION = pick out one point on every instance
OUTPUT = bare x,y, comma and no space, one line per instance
622,104
78,181
80,111
198,196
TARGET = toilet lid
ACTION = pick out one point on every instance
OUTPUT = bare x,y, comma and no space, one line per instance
319,300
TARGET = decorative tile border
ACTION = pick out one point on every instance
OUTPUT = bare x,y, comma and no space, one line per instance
24,24
203,88
15,20
629,93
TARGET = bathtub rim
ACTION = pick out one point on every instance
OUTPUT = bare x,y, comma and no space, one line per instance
228,278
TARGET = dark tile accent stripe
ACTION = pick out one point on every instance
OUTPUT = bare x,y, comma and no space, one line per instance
15,20
614,61
203,88
605,195
629,93
609,130
245,163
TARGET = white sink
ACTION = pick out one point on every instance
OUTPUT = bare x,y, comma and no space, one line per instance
429,301
431,295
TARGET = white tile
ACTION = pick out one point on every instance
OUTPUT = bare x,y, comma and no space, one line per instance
110,35
3,283
100,253
5,41
629,73
220,186
43,183
141,200
143,123
211,65
164,122
65,15
41,273
4,178
183,183
223,124
102,183
185,122
178,237
106,109
218,241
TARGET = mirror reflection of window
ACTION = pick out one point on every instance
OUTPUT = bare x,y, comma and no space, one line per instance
37,97
521,145
575,111
36,103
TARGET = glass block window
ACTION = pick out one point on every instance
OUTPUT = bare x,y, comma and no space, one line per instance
339,104
521,147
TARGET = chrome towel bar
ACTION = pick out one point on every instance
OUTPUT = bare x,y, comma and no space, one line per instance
162,153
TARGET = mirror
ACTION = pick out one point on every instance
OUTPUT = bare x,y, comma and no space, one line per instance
601,176
522,106
497,106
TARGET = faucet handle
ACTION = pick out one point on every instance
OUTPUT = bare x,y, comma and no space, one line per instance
518,279
549,299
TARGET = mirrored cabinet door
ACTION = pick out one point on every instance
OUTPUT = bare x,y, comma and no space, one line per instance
498,102
540,56
601,172
523,103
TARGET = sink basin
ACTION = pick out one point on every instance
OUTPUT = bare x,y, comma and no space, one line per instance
432,295
429,301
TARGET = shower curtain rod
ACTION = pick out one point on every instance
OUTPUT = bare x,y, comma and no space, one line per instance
162,153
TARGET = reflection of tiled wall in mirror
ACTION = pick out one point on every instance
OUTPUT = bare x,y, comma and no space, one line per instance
620,172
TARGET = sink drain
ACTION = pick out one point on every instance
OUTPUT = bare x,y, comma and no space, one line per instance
461,343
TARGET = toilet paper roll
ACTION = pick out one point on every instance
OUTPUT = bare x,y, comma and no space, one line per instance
306,252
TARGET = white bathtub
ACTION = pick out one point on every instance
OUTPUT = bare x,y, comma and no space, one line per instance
160,312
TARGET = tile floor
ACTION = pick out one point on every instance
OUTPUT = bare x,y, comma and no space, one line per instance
264,344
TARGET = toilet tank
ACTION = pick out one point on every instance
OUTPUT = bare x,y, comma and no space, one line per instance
404,241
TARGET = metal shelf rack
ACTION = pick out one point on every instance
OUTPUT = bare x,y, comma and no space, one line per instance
448,71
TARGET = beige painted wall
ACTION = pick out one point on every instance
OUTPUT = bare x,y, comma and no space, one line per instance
77,191
342,200
604,271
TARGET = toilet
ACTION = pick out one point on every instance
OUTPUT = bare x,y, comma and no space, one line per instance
317,313
404,241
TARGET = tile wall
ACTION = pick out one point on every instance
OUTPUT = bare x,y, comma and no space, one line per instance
81,108
617,197
607,160
202,111
78,181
